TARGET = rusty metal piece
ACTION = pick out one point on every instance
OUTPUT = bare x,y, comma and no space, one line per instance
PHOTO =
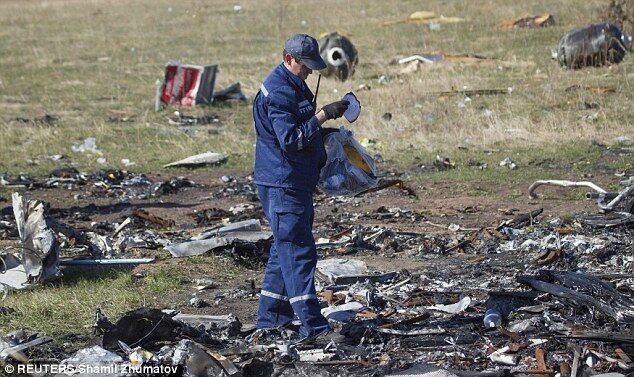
565,230
540,357
521,220
327,295
564,369
516,347
367,314
388,183
466,241
341,234
534,372
530,22
226,364
548,257
145,215
513,336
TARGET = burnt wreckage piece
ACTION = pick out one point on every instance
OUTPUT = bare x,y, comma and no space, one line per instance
594,45
584,290
339,54
148,328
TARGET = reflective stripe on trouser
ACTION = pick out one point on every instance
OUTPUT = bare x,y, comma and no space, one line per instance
289,279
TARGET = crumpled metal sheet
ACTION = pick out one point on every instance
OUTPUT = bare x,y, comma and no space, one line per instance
40,249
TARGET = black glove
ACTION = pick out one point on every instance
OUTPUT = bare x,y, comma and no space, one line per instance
336,109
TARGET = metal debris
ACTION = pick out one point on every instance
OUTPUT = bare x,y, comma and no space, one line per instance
207,158
39,255
340,55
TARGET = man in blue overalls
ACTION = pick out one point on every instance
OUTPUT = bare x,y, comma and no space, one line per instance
289,154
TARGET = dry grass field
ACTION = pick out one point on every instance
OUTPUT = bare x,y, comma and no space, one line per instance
89,61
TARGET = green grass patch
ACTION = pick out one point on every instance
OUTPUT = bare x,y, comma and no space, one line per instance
68,306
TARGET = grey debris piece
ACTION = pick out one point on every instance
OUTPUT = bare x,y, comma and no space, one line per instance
207,158
13,344
199,247
40,249
331,269
95,357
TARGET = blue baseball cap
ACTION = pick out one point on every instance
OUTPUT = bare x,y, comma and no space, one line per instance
305,48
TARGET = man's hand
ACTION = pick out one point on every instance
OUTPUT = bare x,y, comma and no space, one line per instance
336,109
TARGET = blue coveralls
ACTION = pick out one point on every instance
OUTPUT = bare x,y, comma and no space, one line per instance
289,153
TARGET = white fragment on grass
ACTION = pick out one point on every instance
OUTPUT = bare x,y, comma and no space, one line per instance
89,145
508,163
55,157
127,163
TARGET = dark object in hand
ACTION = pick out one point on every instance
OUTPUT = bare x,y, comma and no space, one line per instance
336,109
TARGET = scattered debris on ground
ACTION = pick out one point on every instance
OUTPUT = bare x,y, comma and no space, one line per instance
524,296
231,94
471,92
121,184
530,22
414,62
404,322
426,17
46,120
591,89
180,119
617,206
